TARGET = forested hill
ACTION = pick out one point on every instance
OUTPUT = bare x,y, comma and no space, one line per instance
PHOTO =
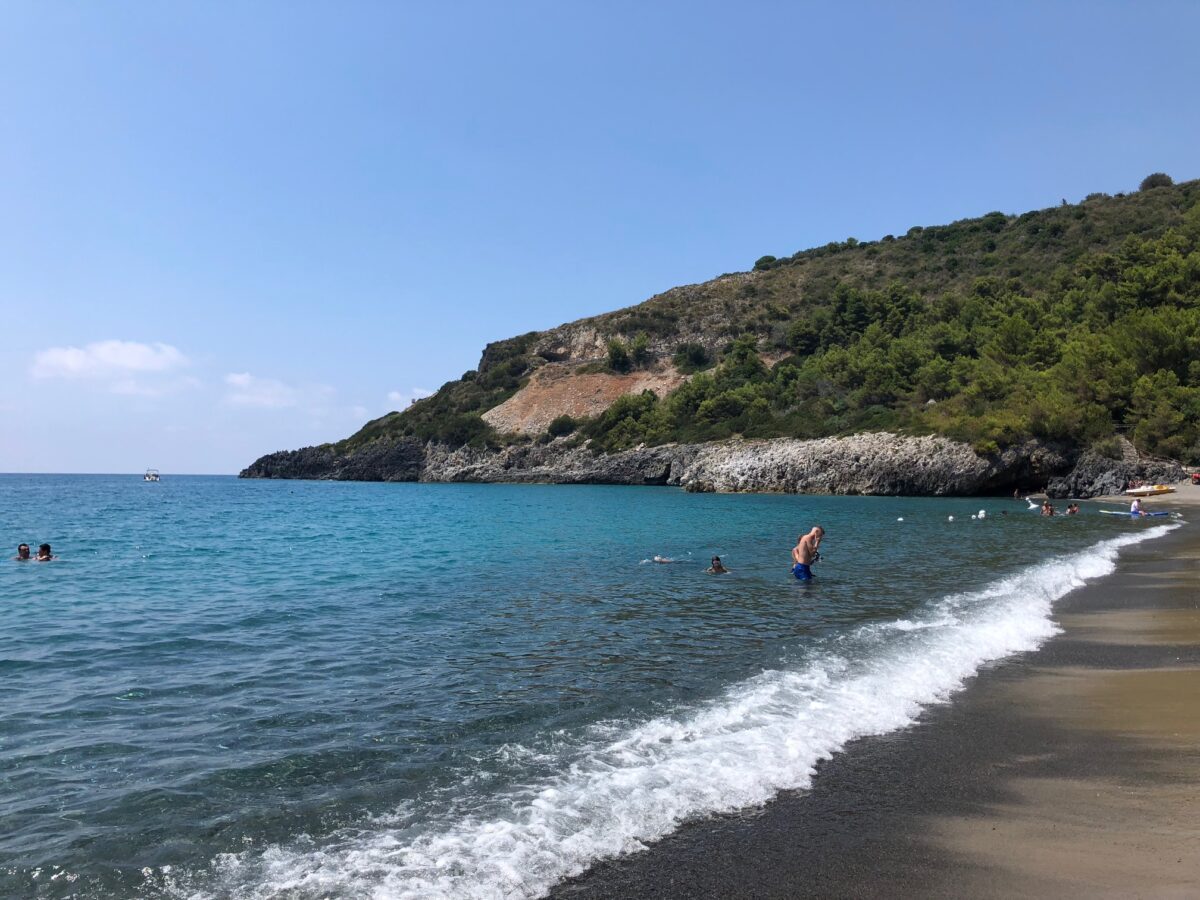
1068,324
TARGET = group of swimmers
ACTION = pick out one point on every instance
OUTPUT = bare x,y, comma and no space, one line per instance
43,554
804,555
1048,510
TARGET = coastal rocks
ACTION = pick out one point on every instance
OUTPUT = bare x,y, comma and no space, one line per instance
557,463
880,463
1095,475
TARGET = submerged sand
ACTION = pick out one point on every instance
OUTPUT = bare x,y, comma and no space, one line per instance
1072,771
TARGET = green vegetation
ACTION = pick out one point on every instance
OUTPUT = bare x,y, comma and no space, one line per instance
618,356
560,426
1158,179
1070,324
691,358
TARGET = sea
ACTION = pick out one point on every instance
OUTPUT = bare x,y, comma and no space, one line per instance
260,689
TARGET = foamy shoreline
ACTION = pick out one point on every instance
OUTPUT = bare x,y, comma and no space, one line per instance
1066,771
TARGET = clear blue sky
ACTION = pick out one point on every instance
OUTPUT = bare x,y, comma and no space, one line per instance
227,229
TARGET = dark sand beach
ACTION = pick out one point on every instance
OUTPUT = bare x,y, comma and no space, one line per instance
1070,771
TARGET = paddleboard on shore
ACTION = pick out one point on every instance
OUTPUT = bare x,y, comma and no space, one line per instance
1129,515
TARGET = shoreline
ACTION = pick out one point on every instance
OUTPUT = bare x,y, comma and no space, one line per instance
1071,769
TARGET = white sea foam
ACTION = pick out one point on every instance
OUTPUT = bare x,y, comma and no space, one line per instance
614,794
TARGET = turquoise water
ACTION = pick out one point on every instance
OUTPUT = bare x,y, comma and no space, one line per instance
309,689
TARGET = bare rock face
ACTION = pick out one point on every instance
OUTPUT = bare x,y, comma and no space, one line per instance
1097,476
864,464
560,390
879,463
557,463
573,342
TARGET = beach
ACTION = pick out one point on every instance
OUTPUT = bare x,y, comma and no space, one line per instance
1070,770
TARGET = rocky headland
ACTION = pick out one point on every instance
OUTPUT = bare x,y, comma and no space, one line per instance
1030,350
875,463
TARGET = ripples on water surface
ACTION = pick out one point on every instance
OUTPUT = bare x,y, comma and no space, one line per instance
256,688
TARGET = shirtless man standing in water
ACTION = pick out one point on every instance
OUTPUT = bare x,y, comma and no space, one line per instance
804,554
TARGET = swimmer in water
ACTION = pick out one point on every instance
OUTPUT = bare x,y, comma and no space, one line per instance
717,567
22,552
804,554
44,554
662,559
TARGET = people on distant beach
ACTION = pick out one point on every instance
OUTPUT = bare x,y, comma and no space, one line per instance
717,567
22,552
1072,509
44,554
806,552
1047,509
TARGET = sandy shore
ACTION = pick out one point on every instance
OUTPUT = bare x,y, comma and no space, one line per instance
1072,771
1186,496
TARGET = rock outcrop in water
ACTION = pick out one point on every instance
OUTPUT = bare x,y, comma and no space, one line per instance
875,463
1097,476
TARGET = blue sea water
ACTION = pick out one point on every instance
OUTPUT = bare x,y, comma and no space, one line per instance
314,689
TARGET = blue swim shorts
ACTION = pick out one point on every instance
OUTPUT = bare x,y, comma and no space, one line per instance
802,572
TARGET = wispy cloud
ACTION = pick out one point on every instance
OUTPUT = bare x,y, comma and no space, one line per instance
122,367
403,399
106,359
244,389
135,388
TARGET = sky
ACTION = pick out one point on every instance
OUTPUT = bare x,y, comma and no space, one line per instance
228,229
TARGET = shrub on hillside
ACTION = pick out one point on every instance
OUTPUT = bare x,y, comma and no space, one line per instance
618,355
639,349
690,358
564,424
1158,179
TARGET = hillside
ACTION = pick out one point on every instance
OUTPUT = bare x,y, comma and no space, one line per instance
1068,325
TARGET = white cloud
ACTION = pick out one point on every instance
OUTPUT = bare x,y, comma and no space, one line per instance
270,393
403,399
134,388
122,367
107,360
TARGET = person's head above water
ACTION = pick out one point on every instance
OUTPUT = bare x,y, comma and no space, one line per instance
22,551
44,552
717,567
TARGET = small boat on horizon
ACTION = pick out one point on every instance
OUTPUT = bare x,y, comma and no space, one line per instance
1150,490
151,475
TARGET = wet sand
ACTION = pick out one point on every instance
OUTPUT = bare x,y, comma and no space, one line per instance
1070,771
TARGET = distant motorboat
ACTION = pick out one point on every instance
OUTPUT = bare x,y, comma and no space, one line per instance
1150,490
151,475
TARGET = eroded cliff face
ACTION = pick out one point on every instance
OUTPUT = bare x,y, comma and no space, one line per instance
560,389
877,463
